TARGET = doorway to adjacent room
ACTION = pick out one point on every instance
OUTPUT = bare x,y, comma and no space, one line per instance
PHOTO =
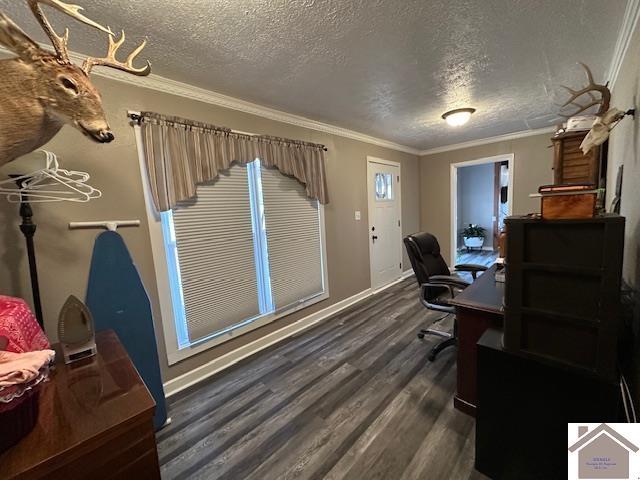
481,198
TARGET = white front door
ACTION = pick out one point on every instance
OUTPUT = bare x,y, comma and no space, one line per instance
385,233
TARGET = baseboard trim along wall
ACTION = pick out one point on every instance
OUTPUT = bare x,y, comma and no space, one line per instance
227,360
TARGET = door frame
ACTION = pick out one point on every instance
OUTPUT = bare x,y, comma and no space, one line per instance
370,161
497,177
453,217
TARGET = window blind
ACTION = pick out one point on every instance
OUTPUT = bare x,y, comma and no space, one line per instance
292,223
215,248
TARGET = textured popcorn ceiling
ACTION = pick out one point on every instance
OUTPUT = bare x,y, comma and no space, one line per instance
384,68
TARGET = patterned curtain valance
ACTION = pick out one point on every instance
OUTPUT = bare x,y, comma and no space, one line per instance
181,153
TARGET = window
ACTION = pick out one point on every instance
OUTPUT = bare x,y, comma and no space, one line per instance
247,250
384,186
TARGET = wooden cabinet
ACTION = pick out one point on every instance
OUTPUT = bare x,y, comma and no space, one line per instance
95,422
570,165
562,294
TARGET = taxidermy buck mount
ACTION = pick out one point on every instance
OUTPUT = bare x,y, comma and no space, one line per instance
40,91
592,90
606,118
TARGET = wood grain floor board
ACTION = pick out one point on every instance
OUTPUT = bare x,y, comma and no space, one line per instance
347,422
327,330
218,394
216,391
354,345
452,428
331,401
402,333
195,451
255,445
352,398
212,420
370,363
376,437
359,325
408,429
464,466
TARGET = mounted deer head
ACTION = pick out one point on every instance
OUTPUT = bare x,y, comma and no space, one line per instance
602,100
40,90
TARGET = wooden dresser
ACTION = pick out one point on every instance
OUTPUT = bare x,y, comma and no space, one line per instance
95,422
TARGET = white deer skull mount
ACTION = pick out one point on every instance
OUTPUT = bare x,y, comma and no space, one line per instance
40,91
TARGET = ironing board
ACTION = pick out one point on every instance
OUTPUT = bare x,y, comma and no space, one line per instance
118,301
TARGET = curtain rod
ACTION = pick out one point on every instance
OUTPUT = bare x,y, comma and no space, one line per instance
136,117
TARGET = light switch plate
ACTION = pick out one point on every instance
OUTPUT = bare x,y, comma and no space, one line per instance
358,216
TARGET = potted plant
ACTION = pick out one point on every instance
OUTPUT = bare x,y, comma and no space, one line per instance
473,236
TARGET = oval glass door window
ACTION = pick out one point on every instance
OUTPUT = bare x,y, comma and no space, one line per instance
384,186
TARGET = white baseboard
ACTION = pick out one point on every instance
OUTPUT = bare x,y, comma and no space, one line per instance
406,274
216,365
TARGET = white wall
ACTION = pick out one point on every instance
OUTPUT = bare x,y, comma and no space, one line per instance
475,198
624,149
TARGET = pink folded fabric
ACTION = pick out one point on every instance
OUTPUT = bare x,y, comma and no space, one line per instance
16,368
19,327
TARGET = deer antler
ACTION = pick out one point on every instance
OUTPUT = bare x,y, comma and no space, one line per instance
603,101
111,61
60,43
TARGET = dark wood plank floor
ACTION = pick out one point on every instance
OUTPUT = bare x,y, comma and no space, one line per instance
353,398
480,257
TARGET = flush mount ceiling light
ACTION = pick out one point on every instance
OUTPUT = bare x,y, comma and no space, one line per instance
458,117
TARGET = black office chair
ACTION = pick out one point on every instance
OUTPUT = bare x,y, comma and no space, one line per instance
437,285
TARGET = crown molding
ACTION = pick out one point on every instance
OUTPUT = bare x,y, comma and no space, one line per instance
489,140
173,87
629,23
166,85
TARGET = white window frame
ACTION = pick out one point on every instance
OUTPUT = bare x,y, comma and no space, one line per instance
160,263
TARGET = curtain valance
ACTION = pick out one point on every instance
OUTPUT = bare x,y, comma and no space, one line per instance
182,153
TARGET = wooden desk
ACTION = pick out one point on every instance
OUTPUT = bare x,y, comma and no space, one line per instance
95,421
478,307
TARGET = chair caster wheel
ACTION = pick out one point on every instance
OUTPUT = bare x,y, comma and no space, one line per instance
421,336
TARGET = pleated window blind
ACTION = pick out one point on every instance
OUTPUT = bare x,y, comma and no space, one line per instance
248,247
293,240
214,241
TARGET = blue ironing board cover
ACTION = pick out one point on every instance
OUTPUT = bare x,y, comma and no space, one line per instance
118,301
